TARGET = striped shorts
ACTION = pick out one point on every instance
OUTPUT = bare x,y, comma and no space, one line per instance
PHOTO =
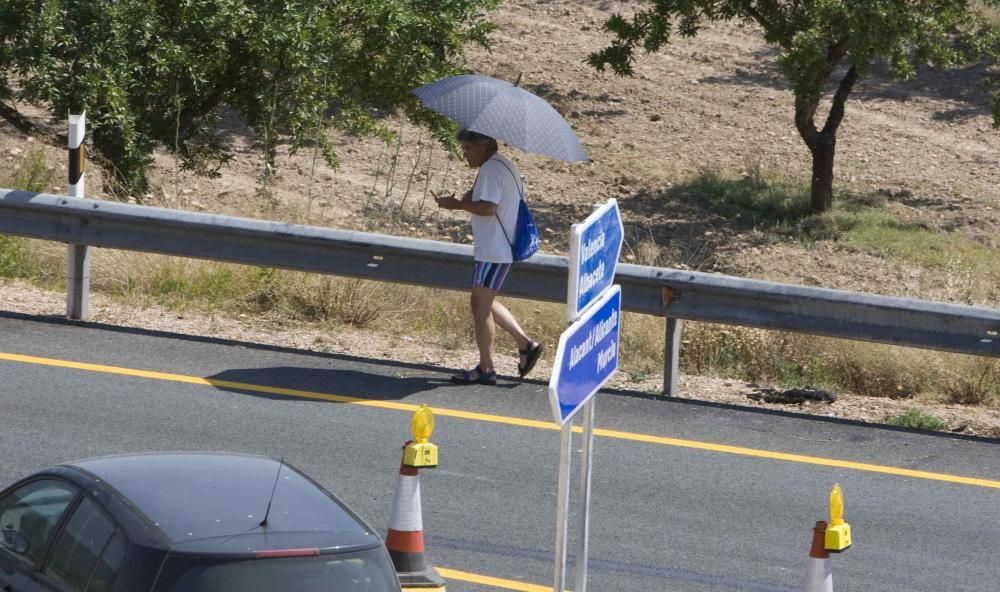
490,275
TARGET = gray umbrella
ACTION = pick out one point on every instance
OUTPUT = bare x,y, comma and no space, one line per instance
506,112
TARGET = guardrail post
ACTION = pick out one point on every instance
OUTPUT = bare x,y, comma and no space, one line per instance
77,256
672,357
77,281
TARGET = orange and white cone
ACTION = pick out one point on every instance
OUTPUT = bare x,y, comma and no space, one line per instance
405,539
819,575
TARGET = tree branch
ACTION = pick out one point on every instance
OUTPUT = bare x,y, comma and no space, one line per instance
839,99
757,16
805,108
836,52
805,114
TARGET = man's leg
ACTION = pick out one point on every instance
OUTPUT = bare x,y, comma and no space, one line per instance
503,317
482,316
526,348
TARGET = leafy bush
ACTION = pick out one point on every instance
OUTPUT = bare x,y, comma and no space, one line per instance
917,419
156,73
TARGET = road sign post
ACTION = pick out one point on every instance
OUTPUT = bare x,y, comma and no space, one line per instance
586,358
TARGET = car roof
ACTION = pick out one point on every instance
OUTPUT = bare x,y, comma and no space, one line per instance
192,497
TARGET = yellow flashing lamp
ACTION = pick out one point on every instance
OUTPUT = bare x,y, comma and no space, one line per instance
423,424
421,453
838,533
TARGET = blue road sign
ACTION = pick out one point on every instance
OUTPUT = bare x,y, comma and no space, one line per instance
587,356
595,245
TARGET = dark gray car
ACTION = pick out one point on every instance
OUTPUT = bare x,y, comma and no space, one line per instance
184,522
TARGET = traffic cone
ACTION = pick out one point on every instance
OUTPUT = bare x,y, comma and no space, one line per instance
819,575
405,539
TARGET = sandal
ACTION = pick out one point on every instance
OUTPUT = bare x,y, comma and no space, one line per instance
465,377
531,357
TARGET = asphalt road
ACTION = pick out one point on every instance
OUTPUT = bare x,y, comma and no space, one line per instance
687,497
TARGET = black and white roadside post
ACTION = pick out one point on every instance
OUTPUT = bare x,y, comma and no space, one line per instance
77,256
586,358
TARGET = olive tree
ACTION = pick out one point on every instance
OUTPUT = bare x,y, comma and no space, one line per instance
825,47
157,72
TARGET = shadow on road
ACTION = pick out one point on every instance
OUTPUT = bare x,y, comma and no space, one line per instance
403,378
286,382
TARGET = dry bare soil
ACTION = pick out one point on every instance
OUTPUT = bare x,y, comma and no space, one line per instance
716,102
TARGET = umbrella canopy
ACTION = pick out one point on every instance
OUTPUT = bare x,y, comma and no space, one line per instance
506,112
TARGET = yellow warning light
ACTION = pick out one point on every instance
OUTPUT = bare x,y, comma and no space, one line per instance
423,424
838,533
421,454
836,505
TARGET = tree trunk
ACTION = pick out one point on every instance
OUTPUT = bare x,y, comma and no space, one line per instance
821,191
823,143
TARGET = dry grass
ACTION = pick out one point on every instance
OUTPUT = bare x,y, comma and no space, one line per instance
186,284
28,170
861,368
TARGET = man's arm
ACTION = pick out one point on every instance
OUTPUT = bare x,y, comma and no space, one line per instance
480,208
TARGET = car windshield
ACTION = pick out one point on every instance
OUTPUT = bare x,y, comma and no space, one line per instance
363,571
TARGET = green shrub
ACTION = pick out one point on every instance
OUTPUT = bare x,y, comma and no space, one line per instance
756,198
917,419
15,258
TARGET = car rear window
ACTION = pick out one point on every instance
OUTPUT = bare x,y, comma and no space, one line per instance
193,497
363,571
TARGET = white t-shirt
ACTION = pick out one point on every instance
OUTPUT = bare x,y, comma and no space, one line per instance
500,185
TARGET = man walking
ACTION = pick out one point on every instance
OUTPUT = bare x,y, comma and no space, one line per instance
493,202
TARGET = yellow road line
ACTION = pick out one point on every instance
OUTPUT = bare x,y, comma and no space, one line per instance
502,419
464,576
799,458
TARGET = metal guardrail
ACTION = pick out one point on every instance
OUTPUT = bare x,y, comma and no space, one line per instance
669,293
